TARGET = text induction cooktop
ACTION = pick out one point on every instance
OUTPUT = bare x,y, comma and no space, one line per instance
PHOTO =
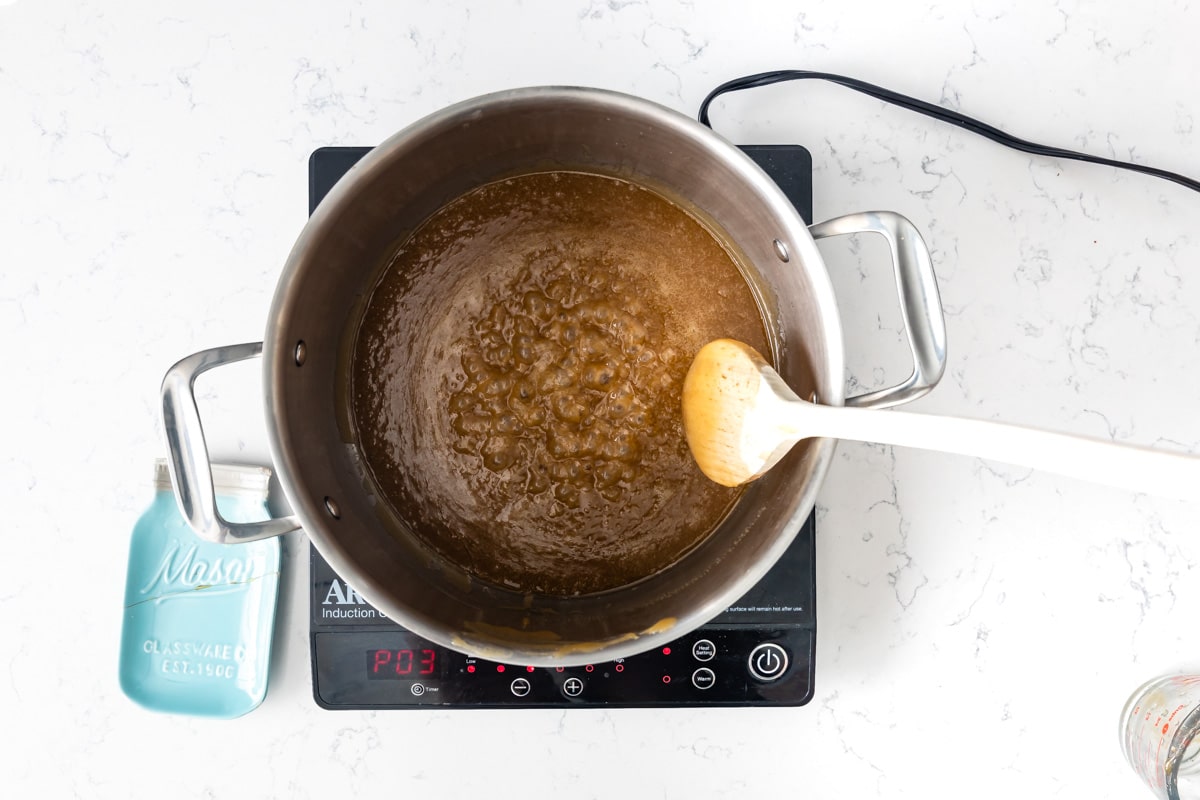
759,652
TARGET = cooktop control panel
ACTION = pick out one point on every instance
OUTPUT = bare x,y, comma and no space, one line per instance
759,652
714,666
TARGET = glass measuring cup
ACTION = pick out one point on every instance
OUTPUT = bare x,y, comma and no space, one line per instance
1160,735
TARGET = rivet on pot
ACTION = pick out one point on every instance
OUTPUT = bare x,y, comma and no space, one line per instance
301,353
781,250
332,508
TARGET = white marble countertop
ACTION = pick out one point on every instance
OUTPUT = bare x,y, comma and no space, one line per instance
979,625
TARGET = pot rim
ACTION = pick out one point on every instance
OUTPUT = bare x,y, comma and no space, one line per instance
277,353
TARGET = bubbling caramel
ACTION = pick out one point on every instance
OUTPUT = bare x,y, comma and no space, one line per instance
517,378
559,386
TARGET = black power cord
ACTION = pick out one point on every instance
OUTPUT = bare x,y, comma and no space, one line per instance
937,112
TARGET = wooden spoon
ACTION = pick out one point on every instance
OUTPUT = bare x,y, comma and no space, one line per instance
741,419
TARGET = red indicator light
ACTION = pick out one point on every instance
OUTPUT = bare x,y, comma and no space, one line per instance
470,667
619,667
559,669
589,668
666,651
499,668
666,678
529,669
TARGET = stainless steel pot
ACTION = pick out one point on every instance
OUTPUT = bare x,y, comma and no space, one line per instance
334,265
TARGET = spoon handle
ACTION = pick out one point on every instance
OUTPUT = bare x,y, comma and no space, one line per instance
1132,467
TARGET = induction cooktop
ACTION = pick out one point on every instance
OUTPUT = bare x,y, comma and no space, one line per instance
758,652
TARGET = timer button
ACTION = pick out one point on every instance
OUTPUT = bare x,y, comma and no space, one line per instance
417,689
704,650
704,678
767,662
572,687
520,687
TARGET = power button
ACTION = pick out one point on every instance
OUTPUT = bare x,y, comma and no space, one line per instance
767,662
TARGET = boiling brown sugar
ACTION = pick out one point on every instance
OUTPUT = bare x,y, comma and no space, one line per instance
517,379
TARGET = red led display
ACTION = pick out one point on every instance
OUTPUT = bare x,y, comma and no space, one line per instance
400,664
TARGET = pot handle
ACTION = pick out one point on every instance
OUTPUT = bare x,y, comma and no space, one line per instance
190,469
920,304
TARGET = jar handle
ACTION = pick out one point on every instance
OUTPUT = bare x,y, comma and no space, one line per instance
920,303
191,471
